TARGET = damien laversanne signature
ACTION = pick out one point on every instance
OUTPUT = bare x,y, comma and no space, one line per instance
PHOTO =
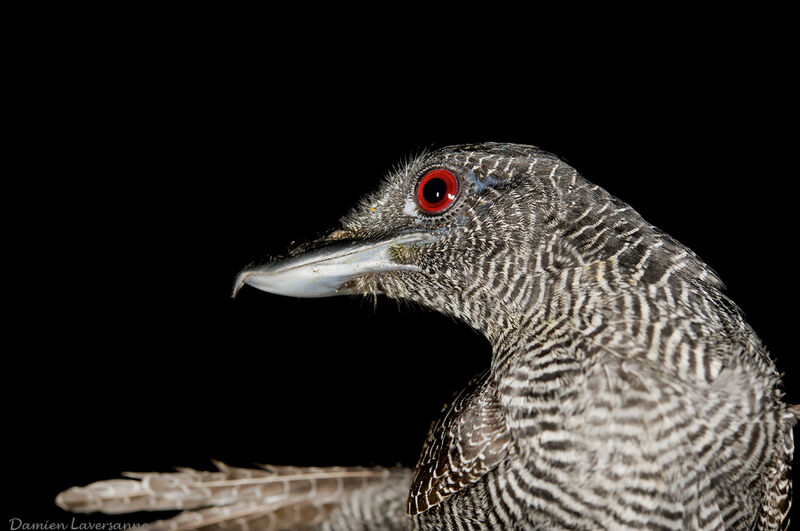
18,524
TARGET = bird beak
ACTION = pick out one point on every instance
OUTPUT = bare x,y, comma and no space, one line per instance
322,271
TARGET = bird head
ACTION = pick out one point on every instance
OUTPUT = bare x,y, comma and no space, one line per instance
472,231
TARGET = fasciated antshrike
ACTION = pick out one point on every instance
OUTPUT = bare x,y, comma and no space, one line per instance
625,388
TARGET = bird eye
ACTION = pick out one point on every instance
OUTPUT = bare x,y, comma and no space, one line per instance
436,190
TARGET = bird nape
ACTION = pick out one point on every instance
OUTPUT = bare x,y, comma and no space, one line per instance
625,388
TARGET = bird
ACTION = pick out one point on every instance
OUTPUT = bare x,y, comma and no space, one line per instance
625,390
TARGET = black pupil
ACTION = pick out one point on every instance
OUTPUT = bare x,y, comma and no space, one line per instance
434,190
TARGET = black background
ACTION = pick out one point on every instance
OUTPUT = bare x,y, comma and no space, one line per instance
158,161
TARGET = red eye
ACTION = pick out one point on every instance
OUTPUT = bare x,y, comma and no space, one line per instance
436,190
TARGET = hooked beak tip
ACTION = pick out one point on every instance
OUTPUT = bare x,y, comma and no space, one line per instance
241,280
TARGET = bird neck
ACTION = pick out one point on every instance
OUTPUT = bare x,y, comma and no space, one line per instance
564,296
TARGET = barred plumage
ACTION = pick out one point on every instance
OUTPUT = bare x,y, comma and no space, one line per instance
625,390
